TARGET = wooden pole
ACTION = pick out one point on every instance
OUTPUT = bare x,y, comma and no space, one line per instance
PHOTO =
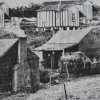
67,71
51,66
63,52
65,91
84,64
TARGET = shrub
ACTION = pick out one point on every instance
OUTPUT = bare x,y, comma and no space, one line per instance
44,76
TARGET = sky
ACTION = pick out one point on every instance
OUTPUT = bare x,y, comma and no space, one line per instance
15,3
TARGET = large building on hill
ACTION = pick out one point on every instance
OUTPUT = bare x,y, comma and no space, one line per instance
63,17
65,14
85,6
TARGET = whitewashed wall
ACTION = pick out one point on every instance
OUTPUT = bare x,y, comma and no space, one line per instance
88,10
58,18
46,19
69,16
1,19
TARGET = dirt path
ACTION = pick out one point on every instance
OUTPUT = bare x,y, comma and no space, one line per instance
80,89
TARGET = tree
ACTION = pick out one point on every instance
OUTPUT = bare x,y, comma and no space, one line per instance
23,11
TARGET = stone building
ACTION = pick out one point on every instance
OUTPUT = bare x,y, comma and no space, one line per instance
18,70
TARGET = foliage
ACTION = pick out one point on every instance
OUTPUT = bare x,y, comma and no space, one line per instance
22,11
38,38
79,68
44,76
27,26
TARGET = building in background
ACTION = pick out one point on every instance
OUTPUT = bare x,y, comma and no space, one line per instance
61,17
85,6
4,7
4,13
67,42
1,18
65,14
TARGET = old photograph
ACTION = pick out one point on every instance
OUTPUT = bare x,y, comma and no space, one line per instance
49,49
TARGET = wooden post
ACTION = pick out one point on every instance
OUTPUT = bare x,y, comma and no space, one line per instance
51,71
51,66
67,71
65,91
84,64
15,81
63,53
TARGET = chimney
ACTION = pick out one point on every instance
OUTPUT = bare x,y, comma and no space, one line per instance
22,46
22,50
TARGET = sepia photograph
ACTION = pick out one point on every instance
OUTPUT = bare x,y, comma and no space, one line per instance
49,49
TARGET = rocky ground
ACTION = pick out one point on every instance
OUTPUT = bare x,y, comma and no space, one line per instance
87,88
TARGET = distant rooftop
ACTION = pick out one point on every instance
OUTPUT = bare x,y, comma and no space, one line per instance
54,7
59,5
65,2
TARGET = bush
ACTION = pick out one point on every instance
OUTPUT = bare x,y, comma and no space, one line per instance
95,69
77,68
44,76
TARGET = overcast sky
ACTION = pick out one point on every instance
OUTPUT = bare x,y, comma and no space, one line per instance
15,3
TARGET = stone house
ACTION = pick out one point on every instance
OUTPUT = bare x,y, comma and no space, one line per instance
19,66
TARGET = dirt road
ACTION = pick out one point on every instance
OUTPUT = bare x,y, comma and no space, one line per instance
80,89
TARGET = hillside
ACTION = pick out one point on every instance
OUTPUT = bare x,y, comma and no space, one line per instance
37,38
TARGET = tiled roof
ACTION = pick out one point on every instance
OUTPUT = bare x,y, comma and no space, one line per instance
5,45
